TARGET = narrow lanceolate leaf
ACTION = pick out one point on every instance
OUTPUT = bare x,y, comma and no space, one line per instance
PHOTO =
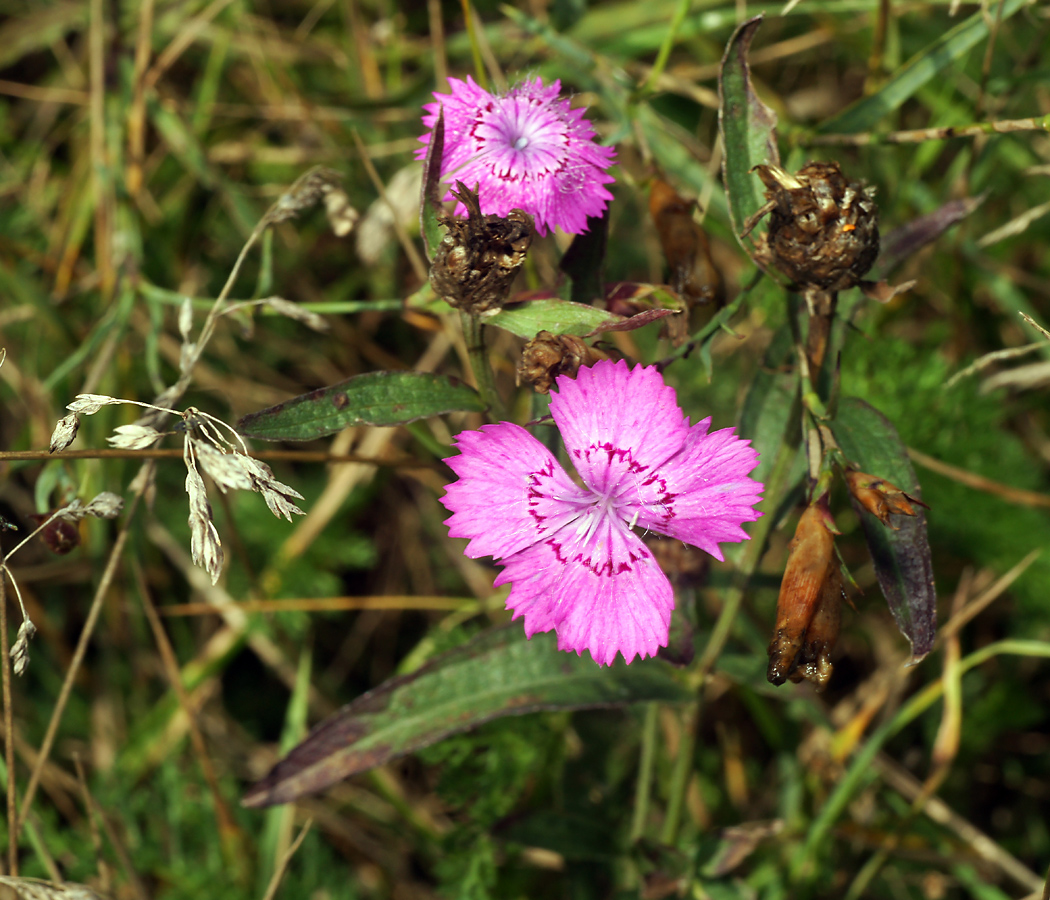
748,127
526,320
498,673
902,556
919,71
378,398
907,239
430,192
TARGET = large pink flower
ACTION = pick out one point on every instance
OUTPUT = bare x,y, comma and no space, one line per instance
526,150
570,551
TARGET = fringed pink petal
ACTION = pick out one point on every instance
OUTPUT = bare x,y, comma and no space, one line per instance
601,591
511,491
619,424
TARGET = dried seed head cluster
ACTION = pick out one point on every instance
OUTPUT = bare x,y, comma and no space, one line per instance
320,184
206,447
479,256
548,355
823,229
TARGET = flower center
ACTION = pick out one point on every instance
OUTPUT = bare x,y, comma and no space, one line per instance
521,143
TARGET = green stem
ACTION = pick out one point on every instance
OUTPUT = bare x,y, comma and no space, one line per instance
861,767
645,773
479,364
475,50
683,769
657,70
776,487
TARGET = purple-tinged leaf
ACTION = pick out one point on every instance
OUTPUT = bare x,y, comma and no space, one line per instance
498,673
905,240
636,321
430,191
902,558
748,127
376,398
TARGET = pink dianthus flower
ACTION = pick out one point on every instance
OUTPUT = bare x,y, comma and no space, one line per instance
526,149
570,550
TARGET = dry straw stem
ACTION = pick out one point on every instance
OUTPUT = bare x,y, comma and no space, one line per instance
919,135
232,839
419,267
328,604
909,787
282,866
963,615
86,632
94,810
978,482
306,456
236,618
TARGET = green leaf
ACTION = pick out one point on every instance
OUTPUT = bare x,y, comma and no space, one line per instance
902,557
498,673
921,69
430,190
556,316
376,398
748,128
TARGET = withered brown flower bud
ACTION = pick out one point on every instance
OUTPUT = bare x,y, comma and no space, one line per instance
809,605
476,261
693,275
879,497
548,355
823,229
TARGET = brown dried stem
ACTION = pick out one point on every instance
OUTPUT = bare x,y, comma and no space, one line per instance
78,658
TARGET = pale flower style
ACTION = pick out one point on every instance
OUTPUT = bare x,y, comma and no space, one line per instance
570,551
526,149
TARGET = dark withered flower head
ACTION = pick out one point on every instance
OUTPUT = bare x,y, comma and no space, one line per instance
548,355
479,256
823,228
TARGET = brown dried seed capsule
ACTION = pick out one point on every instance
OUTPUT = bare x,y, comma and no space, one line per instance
823,229
879,497
808,607
476,261
548,355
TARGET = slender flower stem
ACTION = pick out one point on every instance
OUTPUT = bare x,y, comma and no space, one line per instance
681,11
479,364
645,773
683,769
475,50
776,486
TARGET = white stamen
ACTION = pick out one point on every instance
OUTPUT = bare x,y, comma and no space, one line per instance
521,143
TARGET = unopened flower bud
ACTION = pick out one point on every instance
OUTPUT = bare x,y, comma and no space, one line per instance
479,257
879,497
548,355
809,605
823,229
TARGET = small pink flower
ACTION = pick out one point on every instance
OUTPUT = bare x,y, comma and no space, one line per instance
526,150
570,551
